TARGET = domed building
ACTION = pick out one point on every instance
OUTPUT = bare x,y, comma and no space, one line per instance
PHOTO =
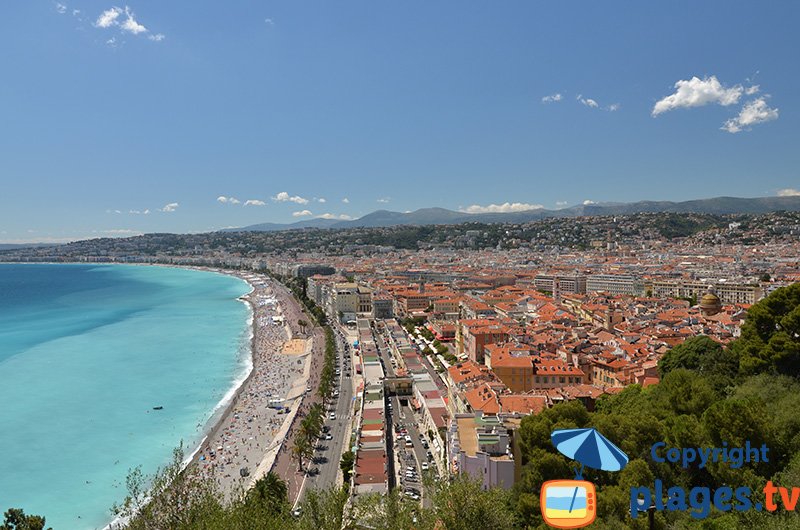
710,304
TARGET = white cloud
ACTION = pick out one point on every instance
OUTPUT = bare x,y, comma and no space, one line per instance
302,213
553,98
130,25
561,203
752,90
343,217
269,22
589,102
587,202
752,113
227,200
788,192
121,231
112,18
254,202
346,200
112,42
285,197
61,8
384,200
139,212
108,18
171,207
501,208
696,92
614,107
322,200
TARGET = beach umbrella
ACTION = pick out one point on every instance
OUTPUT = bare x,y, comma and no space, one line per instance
589,448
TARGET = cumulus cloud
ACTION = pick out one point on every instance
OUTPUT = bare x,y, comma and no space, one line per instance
302,213
108,18
321,200
254,202
113,17
501,208
384,200
131,25
696,92
614,107
561,203
752,113
227,200
346,200
751,90
552,98
285,197
269,22
171,207
587,202
61,8
139,212
589,102
343,217
788,192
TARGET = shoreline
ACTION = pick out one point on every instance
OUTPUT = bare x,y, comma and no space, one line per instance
273,375
226,411
242,430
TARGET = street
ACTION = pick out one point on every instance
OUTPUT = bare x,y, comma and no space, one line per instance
329,452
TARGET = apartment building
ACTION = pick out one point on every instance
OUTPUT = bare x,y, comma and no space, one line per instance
567,283
615,284
728,293
482,447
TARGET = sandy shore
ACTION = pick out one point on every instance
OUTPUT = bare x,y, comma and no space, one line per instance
249,433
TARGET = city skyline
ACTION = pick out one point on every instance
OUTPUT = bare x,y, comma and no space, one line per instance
139,117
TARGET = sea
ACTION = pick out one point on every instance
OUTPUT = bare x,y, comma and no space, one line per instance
86,353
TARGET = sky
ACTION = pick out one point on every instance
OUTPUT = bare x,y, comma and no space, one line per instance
119,118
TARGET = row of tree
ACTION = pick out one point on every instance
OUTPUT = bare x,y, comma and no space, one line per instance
308,433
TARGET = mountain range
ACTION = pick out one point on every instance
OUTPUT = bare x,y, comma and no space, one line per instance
440,216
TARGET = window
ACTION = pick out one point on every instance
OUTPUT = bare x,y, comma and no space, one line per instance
562,379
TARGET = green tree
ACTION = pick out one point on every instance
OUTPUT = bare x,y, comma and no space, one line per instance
463,505
705,356
346,464
15,519
271,493
770,340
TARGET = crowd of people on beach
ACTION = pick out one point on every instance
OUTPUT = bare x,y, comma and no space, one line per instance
251,427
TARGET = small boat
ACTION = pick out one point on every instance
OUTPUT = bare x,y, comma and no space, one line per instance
158,408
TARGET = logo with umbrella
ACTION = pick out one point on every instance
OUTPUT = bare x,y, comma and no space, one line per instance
573,503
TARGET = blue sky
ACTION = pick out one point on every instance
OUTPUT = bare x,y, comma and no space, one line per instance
167,107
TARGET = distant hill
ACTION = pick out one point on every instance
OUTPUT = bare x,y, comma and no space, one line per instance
439,216
14,246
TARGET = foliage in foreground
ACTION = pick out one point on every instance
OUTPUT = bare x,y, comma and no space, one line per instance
16,519
196,504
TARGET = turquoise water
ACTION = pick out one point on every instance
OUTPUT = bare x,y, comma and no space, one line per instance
86,352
